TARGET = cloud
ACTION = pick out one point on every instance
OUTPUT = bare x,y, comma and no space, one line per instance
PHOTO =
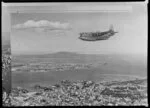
43,25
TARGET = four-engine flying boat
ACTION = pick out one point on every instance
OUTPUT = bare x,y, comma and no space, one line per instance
96,36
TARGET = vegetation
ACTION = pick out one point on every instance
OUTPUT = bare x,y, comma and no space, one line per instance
83,93
6,63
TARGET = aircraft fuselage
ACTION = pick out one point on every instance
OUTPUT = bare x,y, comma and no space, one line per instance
96,36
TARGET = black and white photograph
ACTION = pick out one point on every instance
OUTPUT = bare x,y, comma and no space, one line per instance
78,54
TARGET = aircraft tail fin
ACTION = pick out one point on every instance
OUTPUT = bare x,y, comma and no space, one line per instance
111,28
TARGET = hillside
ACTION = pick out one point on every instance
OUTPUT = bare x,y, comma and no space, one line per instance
83,93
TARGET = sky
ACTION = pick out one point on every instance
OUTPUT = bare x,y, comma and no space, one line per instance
39,32
6,23
6,26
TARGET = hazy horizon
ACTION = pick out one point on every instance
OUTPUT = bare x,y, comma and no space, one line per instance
68,52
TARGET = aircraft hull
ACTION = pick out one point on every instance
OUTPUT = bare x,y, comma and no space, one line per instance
89,38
